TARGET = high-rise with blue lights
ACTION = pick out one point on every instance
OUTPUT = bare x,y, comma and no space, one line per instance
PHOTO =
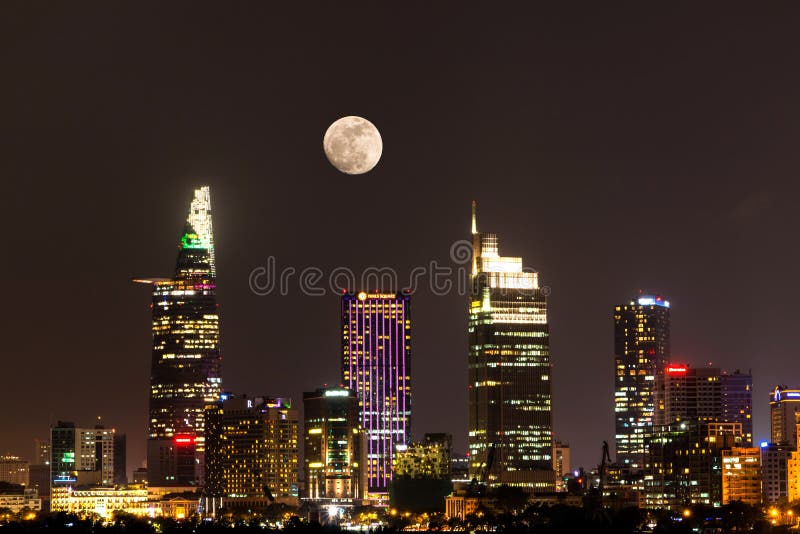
376,350
641,353
510,412
186,362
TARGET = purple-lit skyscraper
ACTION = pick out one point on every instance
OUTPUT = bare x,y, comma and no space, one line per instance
376,345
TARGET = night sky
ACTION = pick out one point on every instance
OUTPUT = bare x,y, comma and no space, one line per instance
614,149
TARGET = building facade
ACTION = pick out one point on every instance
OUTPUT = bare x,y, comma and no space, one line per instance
685,463
41,452
429,458
737,405
784,403
459,469
561,464
334,445
81,455
376,365
252,450
40,483
120,459
641,353
774,471
702,395
422,478
40,477
20,499
14,470
100,500
741,475
510,414
186,362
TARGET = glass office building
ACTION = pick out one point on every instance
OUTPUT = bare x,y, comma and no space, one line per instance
334,444
510,413
186,361
641,353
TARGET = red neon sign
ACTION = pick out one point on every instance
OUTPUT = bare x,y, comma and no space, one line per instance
677,369
184,440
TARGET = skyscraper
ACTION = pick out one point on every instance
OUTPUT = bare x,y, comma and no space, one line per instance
252,451
14,470
774,471
641,352
376,349
186,361
737,402
334,444
702,395
81,455
510,417
783,404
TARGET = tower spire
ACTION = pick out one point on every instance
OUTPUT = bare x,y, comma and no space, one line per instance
474,217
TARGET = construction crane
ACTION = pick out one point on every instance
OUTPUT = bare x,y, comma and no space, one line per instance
594,500
605,460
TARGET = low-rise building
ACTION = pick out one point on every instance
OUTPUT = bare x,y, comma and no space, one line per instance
16,498
134,499
100,500
460,506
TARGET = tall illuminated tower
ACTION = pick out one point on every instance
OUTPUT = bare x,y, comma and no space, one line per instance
376,349
641,353
510,417
185,372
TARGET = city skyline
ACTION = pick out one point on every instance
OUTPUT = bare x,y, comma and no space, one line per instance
667,165
188,235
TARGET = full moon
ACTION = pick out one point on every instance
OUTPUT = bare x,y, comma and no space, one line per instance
353,145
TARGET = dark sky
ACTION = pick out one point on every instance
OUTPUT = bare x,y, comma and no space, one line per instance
615,149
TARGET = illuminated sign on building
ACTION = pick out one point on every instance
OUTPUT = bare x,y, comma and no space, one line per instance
677,370
653,301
